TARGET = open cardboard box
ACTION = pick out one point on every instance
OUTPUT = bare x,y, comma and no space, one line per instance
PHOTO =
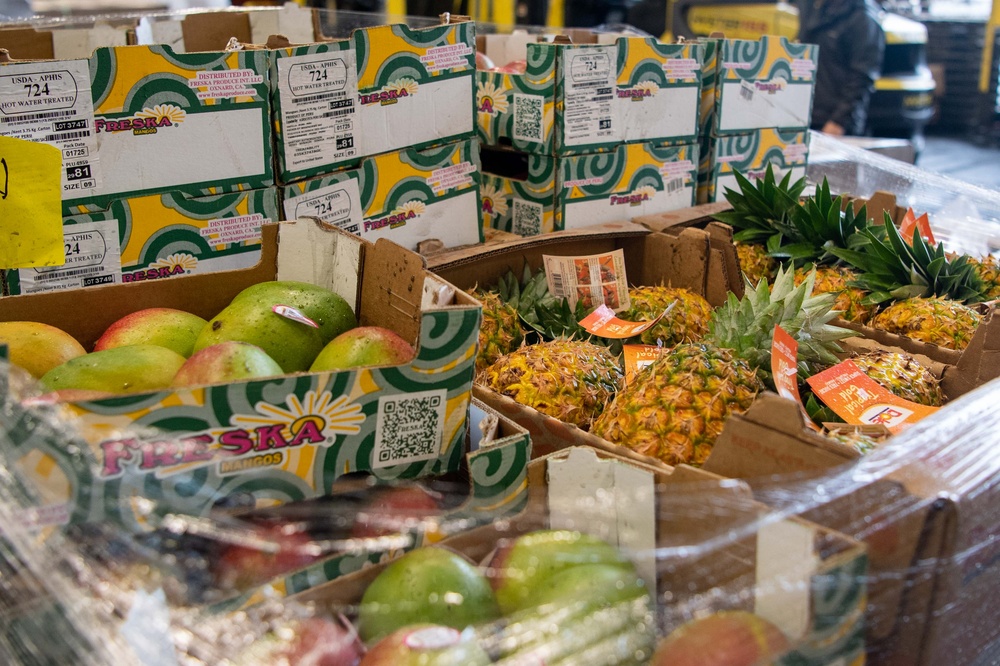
64,42
587,93
699,542
195,446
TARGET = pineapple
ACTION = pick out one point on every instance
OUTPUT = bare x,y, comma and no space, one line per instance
500,332
861,442
687,320
566,379
989,274
939,321
762,212
902,375
830,280
755,262
677,406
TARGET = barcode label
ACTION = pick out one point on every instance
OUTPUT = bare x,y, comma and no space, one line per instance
318,98
34,117
339,113
590,112
746,91
673,185
66,136
558,288
93,257
58,275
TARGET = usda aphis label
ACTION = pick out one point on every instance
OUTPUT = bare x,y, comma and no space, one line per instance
93,257
590,111
51,103
338,204
319,109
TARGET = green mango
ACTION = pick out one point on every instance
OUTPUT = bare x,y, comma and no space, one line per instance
118,370
333,314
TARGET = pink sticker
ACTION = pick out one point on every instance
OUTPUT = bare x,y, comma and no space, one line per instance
288,312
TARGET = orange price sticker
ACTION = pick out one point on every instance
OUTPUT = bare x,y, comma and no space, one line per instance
922,224
603,323
784,369
637,357
860,400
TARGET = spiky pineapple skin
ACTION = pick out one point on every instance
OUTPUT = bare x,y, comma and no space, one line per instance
902,375
988,271
755,263
687,321
676,407
500,333
938,321
830,280
570,380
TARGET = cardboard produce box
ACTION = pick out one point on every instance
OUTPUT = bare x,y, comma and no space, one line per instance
383,89
211,30
55,41
926,503
533,194
808,580
750,154
408,196
135,120
587,96
153,237
284,438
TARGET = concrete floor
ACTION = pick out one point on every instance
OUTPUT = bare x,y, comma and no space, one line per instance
963,160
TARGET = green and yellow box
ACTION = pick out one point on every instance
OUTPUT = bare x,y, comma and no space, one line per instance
750,154
273,440
587,97
537,194
134,120
383,89
407,196
153,237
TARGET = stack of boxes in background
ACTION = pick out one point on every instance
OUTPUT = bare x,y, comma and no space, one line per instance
599,129
755,108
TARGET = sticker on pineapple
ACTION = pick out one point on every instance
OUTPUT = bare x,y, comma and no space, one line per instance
637,358
860,400
921,225
338,204
50,103
319,113
597,279
409,428
93,258
602,322
784,369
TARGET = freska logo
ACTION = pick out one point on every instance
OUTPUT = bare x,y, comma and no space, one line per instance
176,264
147,121
398,217
391,93
639,92
635,198
770,87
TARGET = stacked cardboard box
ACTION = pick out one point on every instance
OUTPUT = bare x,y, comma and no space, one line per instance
755,108
595,128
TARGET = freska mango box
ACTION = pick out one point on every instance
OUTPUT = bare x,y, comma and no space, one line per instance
155,236
134,120
587,96
279,439
786,151
383,89
408,196
534,194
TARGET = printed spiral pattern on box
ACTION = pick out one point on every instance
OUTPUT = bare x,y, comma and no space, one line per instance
518,110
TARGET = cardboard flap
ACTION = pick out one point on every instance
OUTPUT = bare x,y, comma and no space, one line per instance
310,251
299,25
685,217
28,43
687,257
390,281
211,31
786,563
980,361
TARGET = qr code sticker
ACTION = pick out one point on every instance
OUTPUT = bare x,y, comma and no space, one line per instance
409,427
528,117
526,218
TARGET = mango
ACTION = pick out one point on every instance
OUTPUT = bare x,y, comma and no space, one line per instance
226,362
363,347
726,638
36,347
118,370
164,327
333,314
427,645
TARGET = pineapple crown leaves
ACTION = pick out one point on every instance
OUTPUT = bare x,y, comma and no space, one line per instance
892,269
761,212
747,325
822,223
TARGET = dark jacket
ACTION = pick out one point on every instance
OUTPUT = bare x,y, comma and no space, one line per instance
851,47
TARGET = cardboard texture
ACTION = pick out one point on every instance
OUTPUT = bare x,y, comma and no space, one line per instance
285,438
383,89
129,119
63,42
731,573
533,194
588,95
408,196
211,30
154,237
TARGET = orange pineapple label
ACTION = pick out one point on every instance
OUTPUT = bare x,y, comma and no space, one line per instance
597,279
860,400
603,323
922,224
784,369
637,357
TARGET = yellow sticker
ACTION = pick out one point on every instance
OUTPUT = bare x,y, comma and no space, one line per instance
31,229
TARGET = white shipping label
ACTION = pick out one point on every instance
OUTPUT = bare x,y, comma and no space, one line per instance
338,204
590,114
93,257
50,102
319,109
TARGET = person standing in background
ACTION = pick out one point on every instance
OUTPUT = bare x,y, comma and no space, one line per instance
851,48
